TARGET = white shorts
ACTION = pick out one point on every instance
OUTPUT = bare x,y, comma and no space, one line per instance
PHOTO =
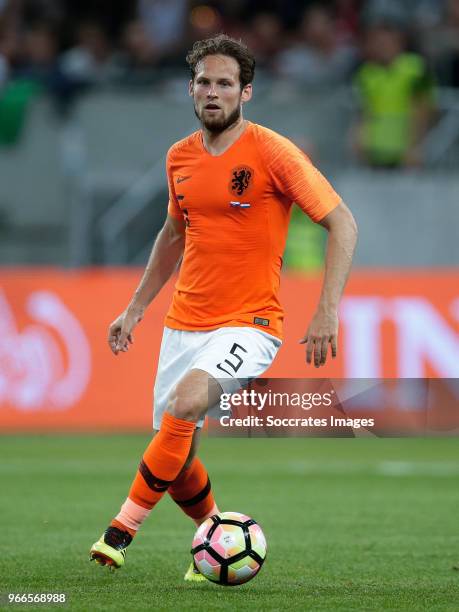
230,354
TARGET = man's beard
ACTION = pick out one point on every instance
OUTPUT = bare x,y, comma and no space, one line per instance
217,126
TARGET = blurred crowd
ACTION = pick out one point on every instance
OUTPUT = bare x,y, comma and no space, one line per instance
63,44
393,51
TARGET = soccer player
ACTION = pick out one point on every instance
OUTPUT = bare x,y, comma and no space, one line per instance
231,187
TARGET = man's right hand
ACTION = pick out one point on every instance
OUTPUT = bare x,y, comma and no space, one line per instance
120,331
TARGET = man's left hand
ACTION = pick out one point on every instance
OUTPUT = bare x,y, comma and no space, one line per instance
322,331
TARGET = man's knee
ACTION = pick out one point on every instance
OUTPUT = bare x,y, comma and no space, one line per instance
189,399
185,406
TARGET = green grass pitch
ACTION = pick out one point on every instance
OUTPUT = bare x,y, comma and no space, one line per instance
364,524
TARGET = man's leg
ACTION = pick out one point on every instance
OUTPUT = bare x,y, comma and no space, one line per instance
166,455
161,463
191,490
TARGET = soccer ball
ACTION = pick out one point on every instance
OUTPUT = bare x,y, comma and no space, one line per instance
229,548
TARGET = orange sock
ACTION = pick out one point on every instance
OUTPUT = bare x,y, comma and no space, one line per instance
192,492
161,463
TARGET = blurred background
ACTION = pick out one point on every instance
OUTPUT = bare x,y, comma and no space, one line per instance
92,94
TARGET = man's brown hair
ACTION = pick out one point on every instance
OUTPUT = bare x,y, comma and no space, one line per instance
223,45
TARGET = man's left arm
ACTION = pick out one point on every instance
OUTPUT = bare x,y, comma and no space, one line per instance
323,329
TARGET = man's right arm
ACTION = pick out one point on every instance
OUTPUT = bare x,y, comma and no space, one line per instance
166,253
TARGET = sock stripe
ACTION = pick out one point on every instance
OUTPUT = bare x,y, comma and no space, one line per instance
196,499
155,484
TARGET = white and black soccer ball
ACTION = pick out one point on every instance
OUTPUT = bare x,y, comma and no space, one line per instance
229,548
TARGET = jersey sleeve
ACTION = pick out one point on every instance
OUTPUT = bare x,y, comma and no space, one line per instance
173,208
295,176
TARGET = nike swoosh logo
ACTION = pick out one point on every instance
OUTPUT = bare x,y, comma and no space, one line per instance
180,179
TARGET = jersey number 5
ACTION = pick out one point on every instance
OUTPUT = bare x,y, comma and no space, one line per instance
230,364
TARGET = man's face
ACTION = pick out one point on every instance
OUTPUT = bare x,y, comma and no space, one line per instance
383,44
216,92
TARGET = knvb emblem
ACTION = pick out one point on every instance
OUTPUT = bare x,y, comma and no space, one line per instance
241,180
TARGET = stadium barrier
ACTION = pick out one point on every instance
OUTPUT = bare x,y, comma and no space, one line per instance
57,372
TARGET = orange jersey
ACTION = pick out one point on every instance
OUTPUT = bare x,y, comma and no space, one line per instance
237,208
